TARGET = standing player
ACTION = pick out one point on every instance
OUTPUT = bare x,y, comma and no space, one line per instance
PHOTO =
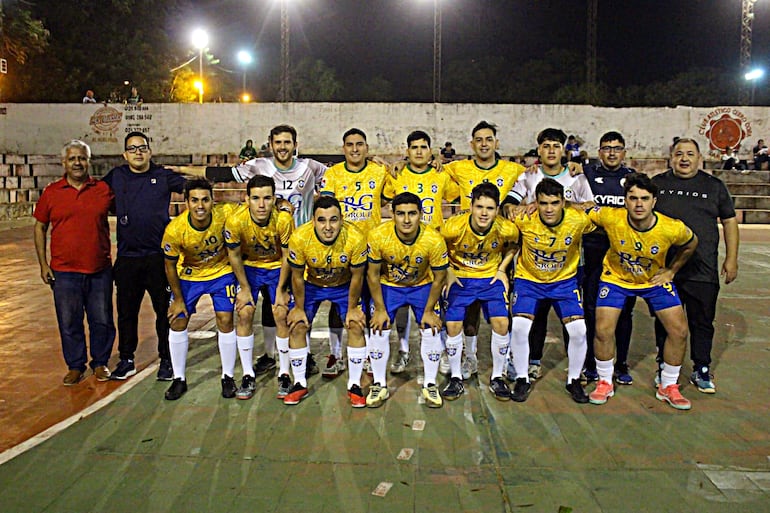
332,253
257,237
197,264
635,265
357,183
547,270
480,248
407,267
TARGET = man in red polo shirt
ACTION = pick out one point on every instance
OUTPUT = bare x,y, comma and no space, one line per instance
80,269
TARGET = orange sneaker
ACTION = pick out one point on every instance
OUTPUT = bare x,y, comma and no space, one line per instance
297,393
672,396
357,398
604,390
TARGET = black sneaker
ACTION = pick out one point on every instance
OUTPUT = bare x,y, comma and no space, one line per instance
124,370
312,367
576,391
165,371
498,387
284,386
453,389
248,386
264,364
521,390
176,390
228,387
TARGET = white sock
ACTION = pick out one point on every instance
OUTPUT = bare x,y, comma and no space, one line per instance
177,346
379,354
669,375
403,342
604,368
520,327
283,355
228,352
471,345
268,335
356,357
499,346
454,351
576,350
335,342
246,352
430,350
298,359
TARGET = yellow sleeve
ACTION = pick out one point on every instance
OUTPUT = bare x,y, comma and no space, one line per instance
451,190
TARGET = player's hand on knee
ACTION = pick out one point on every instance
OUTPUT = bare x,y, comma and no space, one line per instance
355,316
431,320
380,321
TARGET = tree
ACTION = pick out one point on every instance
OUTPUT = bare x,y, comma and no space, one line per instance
21,35
312,80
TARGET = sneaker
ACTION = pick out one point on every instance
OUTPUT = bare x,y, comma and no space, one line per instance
377,395
73,377
334,367
470,366
295,395
102,373
453,389
576,391
248,386
368,367
603,391
704,381
356,396
399,364
672,396
312,367
124,370
534,371
590,375
431,396
621,375
176,390
443,364
510,370
263,365
228,387
500,388
165,371
284,386
521,390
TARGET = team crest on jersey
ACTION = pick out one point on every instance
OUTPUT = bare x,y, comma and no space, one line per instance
418,259
434,356
537,240
568,194
301,183
372,184
292,255
654,250
343,258
227,234
622,242
604,292
167,247
568,241
313,259
499,182
434,188
494,244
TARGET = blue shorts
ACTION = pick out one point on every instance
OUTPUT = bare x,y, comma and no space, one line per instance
416,297
565,296
315,295
658,298
259,278
493,299
222,291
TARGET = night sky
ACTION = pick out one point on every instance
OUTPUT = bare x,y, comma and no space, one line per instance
639,42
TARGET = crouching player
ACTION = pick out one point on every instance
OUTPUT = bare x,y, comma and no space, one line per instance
197,264
407,267
327,257
546,270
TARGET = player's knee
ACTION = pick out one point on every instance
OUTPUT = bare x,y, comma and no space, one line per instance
576,329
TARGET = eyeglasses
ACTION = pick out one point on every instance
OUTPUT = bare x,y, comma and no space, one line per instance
143,148
612,149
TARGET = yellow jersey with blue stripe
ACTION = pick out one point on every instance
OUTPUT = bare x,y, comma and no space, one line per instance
359,192
261,246
200,254
327,265
432,187
477,255
467,174
551,253
406,265
635,256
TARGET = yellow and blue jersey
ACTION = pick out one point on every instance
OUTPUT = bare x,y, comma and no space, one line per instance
200,254
261,246
551,253
327,265
467,174
359,192
477,255
406,265
432,187
635,256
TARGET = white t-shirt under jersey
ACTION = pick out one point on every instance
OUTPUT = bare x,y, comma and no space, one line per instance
576,188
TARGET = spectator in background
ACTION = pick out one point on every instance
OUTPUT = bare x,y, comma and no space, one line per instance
134,98
447,153
89,97
248,152
760,155
730,160
572,149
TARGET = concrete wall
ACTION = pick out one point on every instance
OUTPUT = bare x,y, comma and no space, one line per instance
212,128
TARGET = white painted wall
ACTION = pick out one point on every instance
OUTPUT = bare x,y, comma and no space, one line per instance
214,128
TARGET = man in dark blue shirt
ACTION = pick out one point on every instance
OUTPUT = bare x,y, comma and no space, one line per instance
142,196
606,179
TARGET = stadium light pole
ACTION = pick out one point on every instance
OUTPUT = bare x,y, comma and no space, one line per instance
285,61
200,40
752,76
245,59
436,51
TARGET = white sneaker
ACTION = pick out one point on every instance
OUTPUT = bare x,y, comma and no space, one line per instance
443,364
399,364
534,371
470,366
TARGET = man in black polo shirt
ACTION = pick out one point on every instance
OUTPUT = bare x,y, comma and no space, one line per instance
699,199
